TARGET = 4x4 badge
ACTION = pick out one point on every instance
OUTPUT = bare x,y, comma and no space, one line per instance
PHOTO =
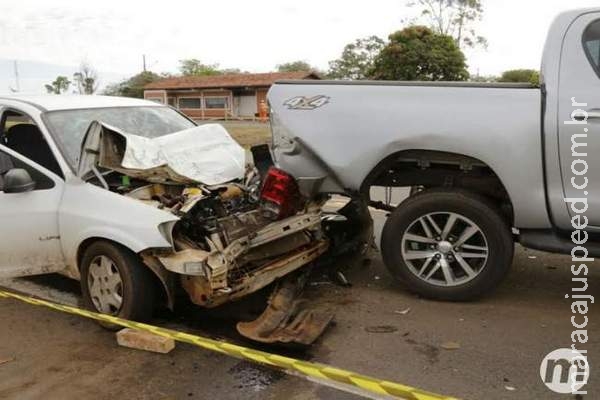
306,103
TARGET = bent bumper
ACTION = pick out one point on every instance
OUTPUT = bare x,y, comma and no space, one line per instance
248,263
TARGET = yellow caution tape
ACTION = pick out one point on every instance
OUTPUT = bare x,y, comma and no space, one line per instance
308,369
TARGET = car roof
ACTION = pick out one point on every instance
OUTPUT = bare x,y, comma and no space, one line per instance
52,102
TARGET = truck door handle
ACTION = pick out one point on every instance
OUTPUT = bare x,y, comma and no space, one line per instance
591,114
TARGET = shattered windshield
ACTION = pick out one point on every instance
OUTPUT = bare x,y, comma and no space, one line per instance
69,126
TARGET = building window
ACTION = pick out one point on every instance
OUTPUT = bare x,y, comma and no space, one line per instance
216,102
171,101
190,102
156,99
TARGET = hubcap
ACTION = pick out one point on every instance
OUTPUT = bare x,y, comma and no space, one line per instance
444,249
105,285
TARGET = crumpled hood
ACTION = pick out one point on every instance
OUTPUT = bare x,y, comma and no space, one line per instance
206,154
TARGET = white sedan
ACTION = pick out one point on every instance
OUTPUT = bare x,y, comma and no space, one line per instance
135,200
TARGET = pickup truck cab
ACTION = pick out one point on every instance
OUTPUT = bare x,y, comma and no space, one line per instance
497,163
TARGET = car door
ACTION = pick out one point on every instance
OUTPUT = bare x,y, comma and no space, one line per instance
29,235
579,140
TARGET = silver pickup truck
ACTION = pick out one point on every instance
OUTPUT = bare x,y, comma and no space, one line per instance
495,163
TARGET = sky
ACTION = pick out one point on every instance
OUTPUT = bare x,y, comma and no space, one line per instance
49,37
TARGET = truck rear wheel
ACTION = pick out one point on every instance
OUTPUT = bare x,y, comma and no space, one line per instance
447,244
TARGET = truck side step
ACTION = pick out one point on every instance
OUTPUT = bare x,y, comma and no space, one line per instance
551,241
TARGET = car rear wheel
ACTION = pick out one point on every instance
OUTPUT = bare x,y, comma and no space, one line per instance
114,281
447,244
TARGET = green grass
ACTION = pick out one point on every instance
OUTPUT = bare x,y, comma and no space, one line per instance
247,133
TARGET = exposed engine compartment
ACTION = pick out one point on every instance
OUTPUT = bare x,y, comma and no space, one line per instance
209,215
227,243
231,238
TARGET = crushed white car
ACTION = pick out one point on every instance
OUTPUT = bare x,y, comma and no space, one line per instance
137,202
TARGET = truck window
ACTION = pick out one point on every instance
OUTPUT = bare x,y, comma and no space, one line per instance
591,44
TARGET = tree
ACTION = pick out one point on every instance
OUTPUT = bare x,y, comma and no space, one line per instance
356,61
59,85
483,78
195,67
232,71
521,75
86,79
134,86
417,53
294,66
455,18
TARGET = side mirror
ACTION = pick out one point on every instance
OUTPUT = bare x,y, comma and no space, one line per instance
18,180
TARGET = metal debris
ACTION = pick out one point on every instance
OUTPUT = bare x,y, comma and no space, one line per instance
287,319
403,312
6,360
450,346
381,329
341,279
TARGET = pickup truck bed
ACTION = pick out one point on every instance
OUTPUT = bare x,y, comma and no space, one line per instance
376,120
488,164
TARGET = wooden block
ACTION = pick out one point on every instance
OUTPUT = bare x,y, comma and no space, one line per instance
144,341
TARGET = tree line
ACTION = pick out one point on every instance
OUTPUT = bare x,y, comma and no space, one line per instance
430,48
85,81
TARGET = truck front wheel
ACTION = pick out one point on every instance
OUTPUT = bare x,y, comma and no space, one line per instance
447,244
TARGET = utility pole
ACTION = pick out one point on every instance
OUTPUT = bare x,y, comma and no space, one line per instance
144,62
16,66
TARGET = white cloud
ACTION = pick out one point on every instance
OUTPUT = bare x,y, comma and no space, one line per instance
251,35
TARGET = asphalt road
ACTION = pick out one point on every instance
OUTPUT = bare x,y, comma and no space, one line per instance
380,329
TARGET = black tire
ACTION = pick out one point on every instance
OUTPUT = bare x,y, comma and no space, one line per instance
138,287
475,208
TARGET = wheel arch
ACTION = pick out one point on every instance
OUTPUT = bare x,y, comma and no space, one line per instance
433,168
479,212
161,275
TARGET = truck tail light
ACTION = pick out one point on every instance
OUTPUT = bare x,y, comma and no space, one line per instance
280,195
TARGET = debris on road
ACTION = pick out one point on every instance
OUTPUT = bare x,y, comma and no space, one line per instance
144,341
6,360
287,318
381,329
510,388
403,312
341,279
450,346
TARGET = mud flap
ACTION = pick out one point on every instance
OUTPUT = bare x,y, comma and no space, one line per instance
287,318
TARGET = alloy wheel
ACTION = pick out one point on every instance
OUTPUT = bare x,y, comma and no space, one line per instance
444,249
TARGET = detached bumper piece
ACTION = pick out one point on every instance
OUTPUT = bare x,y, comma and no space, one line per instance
288,319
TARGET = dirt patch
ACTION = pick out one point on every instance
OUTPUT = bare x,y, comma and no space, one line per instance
247,133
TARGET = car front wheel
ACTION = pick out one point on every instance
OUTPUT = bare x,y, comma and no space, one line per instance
114,281
447,244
